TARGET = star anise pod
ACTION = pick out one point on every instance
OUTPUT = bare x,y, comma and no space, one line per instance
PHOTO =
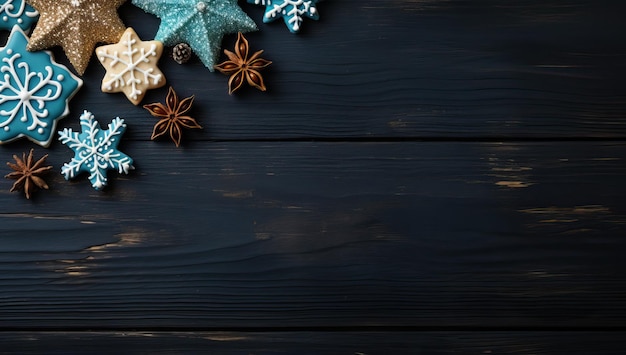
172,116
240,67
27,173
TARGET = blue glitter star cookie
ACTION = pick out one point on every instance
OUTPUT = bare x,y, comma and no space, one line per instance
34,91
200,23
95,150
17,12
292,11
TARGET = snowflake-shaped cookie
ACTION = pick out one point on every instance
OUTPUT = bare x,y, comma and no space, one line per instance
292,11
131,66
34,91
95,150
16,12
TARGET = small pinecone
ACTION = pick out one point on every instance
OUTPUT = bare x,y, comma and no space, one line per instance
181,53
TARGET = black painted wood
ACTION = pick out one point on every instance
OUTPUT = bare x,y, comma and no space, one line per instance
415,165
326,234
404,68
240,343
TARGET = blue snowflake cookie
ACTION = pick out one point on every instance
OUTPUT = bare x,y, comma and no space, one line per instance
34,91
17,12
292,11
95,150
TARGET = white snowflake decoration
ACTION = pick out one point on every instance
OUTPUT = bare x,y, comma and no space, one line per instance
131,66
34,91
95,150
16,12
292,11
30,100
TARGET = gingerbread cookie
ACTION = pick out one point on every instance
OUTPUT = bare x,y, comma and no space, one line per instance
131,66
95,150
16,12
291,11
34,91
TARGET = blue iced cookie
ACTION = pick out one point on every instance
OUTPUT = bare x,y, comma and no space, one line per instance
34,91
17,12
95,150
291,11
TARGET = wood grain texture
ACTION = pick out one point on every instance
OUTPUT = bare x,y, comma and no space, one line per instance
403,68
357,343
326,234
415,165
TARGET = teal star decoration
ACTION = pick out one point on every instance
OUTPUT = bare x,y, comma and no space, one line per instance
17,12
202,24
35,91
95,150
291,11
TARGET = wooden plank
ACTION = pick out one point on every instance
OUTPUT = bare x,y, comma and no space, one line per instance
361,343
406,68
325,234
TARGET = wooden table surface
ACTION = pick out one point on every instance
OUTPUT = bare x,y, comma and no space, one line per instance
422,176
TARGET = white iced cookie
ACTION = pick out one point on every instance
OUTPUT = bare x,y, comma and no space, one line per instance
131,66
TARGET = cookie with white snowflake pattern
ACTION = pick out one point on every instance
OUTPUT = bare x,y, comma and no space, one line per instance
17,12
292,12
131,66
95,150
34,91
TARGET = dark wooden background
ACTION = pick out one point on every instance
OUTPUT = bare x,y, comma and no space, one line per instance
422,176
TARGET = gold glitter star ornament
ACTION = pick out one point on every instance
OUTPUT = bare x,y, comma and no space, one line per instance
77,26
131,66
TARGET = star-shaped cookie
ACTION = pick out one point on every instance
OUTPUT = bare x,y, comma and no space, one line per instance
131,66
34,91
200,23
77,26
16,12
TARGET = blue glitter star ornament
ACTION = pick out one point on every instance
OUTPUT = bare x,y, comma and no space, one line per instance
292,11
200,23
95,150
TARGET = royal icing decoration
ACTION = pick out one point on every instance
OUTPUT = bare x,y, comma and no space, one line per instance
95,150
34,91
77,26
292,11
201,24
131,66
16,12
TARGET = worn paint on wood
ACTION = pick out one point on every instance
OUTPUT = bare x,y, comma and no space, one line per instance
357,343
326,234
414,164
